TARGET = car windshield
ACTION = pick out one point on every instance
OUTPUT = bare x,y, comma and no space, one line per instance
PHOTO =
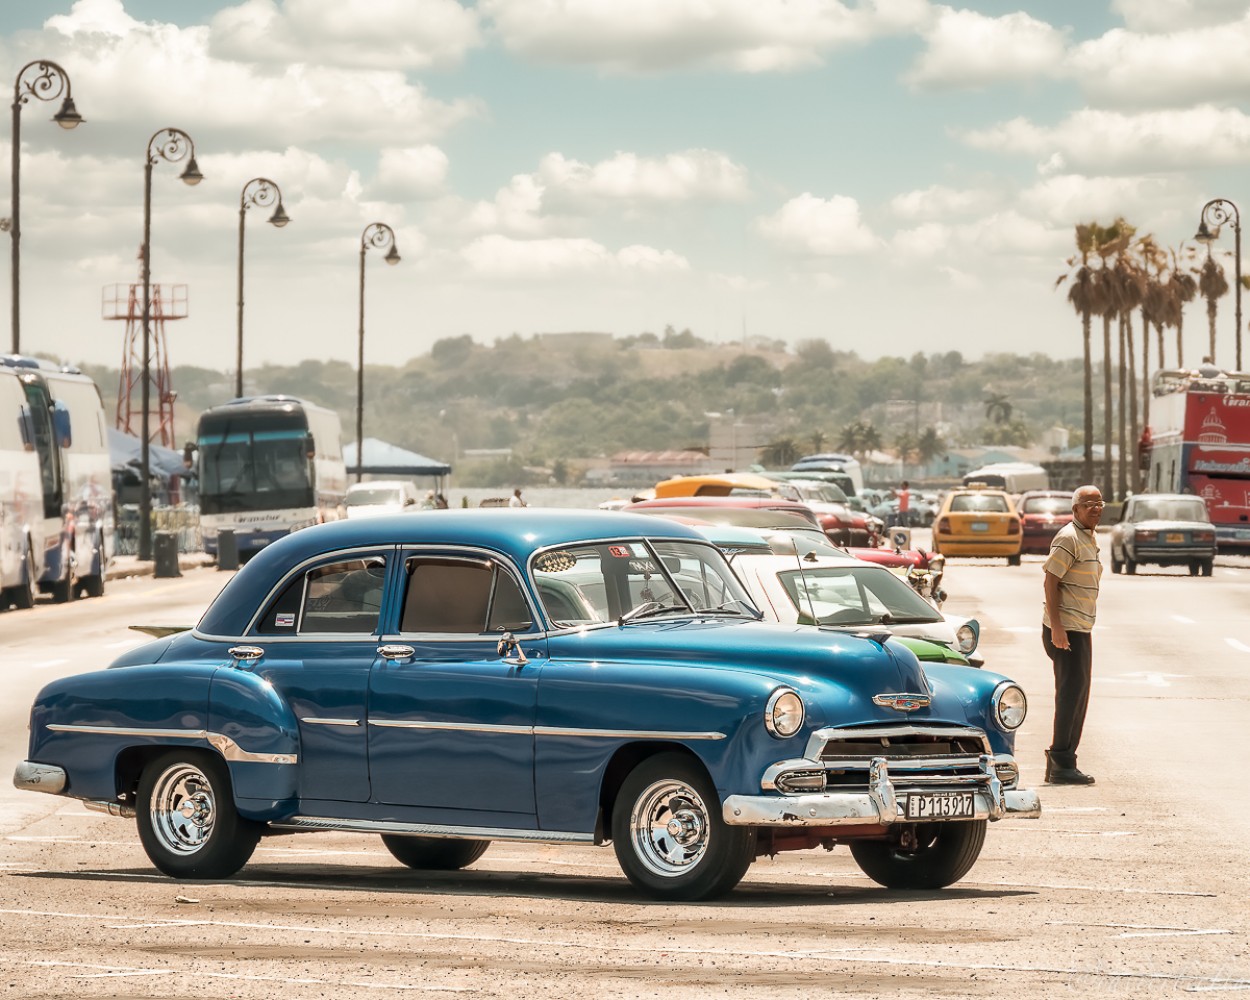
382,494
854,595
628,580
1047,505
1170,510
979,502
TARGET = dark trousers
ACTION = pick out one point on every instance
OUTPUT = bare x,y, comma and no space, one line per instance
1073,669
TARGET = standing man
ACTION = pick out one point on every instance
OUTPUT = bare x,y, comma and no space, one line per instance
1072,572
515,500
904,504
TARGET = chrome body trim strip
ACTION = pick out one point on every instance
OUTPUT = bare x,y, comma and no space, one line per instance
434,830
610,734
311,721
880,805
31,776
221,743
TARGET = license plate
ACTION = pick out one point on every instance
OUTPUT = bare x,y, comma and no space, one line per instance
940,805
1174,538
979,526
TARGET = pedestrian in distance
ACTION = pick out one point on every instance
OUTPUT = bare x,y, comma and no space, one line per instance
515,500
903,493
1071,574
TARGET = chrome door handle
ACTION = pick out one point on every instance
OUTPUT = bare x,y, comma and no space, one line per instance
508,644
396,651
246,652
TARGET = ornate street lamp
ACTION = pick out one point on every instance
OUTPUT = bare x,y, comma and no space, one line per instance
47,81
262,192
379,235
1215,213
171,145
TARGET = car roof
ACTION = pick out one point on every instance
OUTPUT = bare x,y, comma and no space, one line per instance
513,532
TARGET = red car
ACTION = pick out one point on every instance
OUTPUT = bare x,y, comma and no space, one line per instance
1042,514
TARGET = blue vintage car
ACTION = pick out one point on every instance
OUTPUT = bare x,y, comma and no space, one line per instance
450,678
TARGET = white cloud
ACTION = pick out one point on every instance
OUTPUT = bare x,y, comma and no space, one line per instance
929,240
496,256
1066,197
382,34
413,173
1106,142
692,175
125,70
968,49
816,227
1186,65
1175,15
939,202
657,35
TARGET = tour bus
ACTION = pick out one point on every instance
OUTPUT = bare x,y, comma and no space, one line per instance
1011,477
56,488
1198,442
268,465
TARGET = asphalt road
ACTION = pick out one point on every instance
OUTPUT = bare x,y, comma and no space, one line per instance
1135,887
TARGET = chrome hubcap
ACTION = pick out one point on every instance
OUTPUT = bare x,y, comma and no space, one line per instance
669,827
183,809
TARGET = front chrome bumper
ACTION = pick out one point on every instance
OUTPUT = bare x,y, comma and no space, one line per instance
31,776
881,805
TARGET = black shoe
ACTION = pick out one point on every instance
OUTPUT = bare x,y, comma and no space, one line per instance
1068,776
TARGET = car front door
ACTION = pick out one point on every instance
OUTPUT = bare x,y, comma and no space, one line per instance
451,716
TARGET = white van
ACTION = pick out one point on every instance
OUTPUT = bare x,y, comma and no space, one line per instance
1011,477
380,496
833,462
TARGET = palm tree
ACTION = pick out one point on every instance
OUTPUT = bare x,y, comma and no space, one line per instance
1112,242
929,445
780,453
1082,297
1184,288
997,408
1212,285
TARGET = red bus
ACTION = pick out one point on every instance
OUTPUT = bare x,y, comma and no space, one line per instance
1198,442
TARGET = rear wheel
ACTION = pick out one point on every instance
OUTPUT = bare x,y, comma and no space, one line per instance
92,586
1014,560
1208,567
187,821
22,596
669,836
1116,565
434,853
939,854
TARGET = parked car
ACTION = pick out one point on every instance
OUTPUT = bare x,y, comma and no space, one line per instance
1167,529
843,524
844,591
378,497
1042,514
978,521
532,676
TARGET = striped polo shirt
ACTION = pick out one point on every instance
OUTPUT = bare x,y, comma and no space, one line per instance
1074,560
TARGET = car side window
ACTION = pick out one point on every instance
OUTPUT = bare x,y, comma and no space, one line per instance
340,597
466,596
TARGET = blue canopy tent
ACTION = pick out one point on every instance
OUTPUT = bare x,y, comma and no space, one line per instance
384,459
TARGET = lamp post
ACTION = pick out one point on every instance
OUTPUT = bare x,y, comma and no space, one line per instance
45,80
262,192
1215,213
379,235
171,145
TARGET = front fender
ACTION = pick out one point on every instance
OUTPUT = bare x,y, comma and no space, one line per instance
257,733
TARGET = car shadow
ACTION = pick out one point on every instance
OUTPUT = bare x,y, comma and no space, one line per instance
576,888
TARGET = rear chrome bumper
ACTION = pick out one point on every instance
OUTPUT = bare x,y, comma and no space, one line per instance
31,776
881,805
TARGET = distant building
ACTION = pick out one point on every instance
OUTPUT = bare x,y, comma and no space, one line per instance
646,468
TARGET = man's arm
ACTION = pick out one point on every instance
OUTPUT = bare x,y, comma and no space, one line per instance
1058,635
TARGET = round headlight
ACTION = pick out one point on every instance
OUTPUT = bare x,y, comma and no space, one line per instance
784,714
1010,706
966,638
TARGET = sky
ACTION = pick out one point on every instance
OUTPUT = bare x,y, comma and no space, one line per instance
891,176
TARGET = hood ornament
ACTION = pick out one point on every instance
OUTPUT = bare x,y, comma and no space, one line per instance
901,702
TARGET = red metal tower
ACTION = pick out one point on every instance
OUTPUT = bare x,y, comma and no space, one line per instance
169,302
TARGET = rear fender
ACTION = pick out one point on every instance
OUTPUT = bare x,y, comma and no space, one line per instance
257,733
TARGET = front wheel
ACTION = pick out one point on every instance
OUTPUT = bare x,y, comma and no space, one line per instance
938,855
669,836
1130,565
434,853
187,821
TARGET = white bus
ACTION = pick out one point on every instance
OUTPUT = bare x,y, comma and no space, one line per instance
56,489
268,465
1011,477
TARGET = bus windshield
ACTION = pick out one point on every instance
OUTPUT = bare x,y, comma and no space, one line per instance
260,465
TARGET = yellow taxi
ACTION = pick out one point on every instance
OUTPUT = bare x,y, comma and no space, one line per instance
978,521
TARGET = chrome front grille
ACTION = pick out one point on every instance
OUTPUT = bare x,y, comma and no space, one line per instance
915,755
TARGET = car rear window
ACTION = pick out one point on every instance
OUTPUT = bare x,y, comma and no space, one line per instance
979,502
